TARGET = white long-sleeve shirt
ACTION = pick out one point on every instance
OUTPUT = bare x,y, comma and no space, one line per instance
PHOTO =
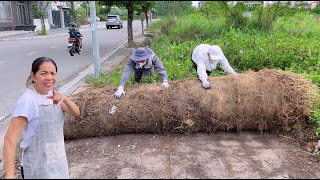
204,63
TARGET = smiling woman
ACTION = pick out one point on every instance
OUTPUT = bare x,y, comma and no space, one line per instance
39,110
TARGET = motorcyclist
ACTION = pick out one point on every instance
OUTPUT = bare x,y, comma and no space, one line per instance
74,33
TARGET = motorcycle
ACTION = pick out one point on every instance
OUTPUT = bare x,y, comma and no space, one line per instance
73,45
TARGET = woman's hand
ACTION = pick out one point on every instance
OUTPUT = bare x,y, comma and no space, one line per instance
57,97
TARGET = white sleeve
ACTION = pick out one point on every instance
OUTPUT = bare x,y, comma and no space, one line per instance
201,71
24,107
226,66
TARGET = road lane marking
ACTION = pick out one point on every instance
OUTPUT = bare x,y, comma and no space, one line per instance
31,53
53,46
2,62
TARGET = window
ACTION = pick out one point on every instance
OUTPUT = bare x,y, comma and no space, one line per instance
6,11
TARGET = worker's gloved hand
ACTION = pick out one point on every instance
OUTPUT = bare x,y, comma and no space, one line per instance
165,84
119,92
206,84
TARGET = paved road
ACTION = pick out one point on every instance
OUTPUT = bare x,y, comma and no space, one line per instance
18,51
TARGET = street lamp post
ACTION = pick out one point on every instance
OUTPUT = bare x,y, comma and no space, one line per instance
95,43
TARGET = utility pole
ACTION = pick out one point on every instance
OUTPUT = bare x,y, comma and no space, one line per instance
95,43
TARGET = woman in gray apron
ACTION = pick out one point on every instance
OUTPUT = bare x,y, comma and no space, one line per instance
39,115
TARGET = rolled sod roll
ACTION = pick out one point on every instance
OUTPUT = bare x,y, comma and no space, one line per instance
269,99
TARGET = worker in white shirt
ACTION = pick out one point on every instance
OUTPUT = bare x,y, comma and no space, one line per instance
205,58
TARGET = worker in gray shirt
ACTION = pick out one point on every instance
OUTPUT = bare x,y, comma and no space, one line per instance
141,62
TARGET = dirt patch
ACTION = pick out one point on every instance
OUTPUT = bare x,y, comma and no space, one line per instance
201,155
192,156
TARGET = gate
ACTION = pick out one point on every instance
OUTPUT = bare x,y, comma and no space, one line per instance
22,17
67,18
56,18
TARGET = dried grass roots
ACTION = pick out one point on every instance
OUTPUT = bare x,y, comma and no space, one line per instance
269,99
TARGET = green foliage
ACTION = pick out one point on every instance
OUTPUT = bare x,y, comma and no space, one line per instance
173,8
37,12
234,15
42,32
82,14
299,24
197,27
316,10
315,117
264,18
101,82
212,9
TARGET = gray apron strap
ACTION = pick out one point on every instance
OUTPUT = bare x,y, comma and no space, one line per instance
45,157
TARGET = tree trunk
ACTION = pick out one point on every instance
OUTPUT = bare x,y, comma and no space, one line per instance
130,19
147,20
150,17
141,15
43,25
74,19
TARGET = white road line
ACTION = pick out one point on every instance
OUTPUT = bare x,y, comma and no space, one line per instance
53,46
31,53
2,62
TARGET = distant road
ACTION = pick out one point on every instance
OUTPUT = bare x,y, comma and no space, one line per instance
16,57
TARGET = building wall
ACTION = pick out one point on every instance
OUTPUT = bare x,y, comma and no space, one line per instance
15,21
11,25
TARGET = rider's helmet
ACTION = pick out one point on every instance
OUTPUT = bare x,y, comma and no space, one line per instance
72,24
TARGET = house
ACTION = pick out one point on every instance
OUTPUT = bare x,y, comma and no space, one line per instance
16,15
314,4
295,4
58,14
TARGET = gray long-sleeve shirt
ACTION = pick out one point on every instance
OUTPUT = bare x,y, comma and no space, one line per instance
153,61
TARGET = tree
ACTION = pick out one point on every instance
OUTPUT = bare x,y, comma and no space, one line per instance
107,4
85,5
142,8
146,7
131,6
39,11
73,13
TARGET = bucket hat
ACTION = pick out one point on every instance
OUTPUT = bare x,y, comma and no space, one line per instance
139,54
215,52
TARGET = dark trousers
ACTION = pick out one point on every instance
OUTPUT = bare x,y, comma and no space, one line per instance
22,172
138,75
195,67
